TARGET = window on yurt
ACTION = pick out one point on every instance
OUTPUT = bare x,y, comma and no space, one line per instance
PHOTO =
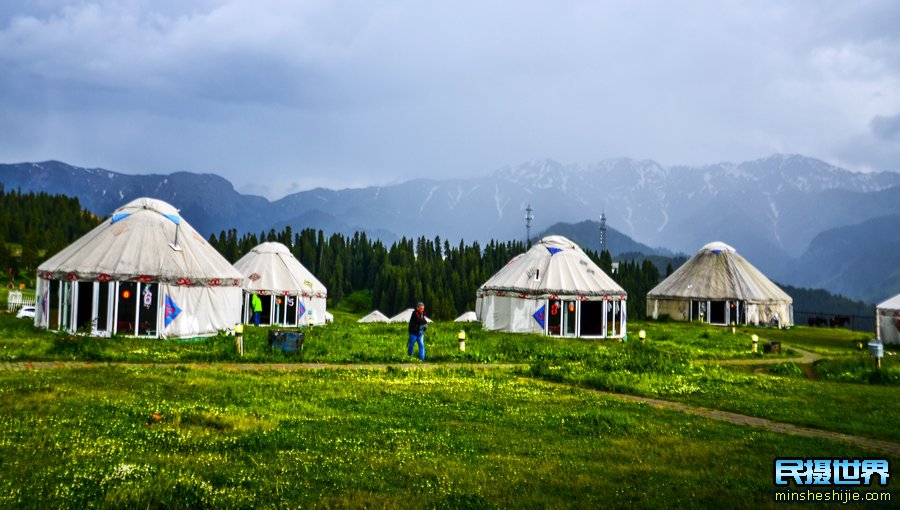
614,318
570,317
148,309
554,318
126,316
290,317
103,306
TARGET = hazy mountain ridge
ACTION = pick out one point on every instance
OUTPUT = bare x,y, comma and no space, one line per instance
770,209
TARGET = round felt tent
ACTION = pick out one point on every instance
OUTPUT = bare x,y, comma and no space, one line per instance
555,289
374,316
718,286
887,320
144,272
290,294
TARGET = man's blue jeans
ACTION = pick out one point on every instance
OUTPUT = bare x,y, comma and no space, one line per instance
256,318
416,339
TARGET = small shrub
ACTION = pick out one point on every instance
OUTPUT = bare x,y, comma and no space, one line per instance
787,370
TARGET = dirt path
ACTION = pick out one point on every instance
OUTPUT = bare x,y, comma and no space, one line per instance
806,357
879,445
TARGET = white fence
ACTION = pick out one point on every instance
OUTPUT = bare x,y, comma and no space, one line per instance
15,300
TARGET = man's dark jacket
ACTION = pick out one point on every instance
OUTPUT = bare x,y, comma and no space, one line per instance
417,322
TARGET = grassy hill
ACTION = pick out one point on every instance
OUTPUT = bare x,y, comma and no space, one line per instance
181,425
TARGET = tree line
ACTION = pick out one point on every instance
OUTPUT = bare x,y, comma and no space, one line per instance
35,226
360,273
370,275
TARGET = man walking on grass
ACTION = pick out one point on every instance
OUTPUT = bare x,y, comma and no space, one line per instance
417,325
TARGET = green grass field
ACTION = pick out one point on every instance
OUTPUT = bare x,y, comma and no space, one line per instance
167,436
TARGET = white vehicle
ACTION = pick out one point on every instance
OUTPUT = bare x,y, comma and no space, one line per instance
26,312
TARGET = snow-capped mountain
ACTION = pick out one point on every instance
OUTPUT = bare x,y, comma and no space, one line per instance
770,209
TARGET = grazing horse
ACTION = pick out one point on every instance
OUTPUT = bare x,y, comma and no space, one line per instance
815,321
840,321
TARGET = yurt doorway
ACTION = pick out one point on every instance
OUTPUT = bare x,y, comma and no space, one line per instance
718,313
591,323
265,317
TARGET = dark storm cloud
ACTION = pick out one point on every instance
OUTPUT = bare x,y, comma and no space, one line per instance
886,128
350,93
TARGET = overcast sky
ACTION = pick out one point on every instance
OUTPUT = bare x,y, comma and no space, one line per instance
283,95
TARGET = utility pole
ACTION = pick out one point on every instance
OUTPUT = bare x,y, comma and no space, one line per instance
528,218
602,232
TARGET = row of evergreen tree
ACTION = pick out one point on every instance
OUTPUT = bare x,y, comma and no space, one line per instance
362,271
446,277
34,226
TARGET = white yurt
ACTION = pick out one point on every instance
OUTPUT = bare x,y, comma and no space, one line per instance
405,315
719,287
290,294
467,317
144,272
555,289
374,316
887,320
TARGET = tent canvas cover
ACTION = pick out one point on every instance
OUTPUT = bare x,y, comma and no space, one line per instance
144,271
270,269
528,294
405,315
887,320
718,276
467,317
374,316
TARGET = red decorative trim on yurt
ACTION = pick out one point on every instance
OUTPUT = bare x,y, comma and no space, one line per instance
103,277
72,277
235,283
183,281
214,282
144,278
47,275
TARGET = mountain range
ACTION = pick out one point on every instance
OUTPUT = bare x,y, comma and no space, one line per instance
788,214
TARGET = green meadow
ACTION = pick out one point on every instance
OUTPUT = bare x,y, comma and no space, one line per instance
457,435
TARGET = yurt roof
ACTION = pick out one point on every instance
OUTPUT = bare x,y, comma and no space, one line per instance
139,242
553,266
718,271
272,268
890,304
405,315
467,317
374,316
